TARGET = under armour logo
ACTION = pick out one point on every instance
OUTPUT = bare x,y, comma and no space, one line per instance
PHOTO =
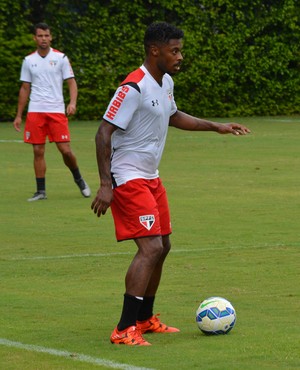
154,102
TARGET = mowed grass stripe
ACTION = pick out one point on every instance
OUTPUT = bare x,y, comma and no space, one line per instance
198,250
70,355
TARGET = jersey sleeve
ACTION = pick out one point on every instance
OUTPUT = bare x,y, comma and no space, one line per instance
67,70
173,106
25,72
122,106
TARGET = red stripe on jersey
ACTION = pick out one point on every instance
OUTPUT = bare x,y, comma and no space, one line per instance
57,51
135,76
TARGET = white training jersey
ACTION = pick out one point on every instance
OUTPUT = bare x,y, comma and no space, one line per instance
141,109
46,76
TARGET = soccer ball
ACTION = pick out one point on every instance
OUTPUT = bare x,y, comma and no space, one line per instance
215,315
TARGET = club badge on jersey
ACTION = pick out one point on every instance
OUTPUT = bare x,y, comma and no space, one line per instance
147,221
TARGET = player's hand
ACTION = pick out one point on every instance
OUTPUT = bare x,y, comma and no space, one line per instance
17,123
234,128
102,200
71,109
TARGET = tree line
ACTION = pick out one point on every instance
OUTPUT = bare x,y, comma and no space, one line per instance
241,58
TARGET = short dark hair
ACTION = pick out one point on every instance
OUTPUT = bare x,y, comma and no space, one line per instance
161,32
42,26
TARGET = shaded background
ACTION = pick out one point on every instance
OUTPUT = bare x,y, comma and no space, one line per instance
242,58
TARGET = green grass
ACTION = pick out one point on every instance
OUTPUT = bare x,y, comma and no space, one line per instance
235,205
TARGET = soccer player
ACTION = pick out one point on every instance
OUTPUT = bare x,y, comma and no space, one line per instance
43,73
129,145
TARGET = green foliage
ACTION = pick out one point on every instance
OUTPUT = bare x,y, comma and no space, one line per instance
246,60
15,43
241,58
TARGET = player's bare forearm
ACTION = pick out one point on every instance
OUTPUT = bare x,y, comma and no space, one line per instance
187,122
71,108
22,102
103,154
104,194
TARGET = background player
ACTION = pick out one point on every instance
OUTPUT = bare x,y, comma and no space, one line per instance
42,76
129,145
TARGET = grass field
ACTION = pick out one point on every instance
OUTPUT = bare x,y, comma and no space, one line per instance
235,205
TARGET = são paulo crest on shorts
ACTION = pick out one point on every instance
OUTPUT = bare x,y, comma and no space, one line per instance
147,221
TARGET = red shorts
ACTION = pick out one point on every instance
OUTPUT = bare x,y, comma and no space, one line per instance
40,125
140,208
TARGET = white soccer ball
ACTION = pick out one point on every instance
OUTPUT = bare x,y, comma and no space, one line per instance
215,315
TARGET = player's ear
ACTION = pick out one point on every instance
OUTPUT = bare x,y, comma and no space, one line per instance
154,50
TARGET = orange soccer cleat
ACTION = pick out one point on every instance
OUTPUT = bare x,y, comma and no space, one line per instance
130,336
154,325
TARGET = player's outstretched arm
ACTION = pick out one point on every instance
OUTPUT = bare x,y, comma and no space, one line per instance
185,121
233,128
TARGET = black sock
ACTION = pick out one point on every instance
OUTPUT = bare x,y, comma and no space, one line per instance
76,174
146,310
40,184
130,311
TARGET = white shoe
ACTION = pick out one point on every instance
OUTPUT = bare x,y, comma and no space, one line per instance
38,196
84,188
